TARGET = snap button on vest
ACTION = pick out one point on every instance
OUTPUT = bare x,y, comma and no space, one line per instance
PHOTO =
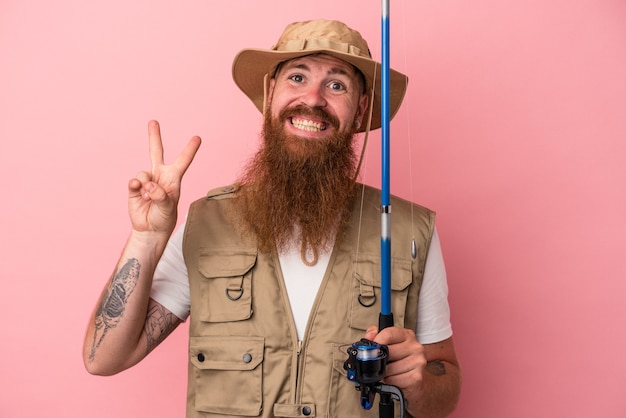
306,411
247,358
200,357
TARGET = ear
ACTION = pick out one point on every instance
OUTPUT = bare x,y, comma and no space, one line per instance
268,91
362,107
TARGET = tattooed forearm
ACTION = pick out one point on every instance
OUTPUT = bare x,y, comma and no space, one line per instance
113,303
159,324
436,367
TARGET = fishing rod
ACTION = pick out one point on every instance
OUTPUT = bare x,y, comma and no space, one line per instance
386,315
367,359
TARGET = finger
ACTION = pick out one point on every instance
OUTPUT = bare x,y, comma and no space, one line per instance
152,191
143,177
184,159
407,368
134,187
147,190
392,335
371,331
136,184
402,343
155,144
137,187
403,375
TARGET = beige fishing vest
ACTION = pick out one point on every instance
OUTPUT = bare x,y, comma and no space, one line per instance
244,355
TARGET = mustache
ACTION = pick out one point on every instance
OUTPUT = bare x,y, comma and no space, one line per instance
314,112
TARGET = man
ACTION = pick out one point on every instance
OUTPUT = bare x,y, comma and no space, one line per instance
279,273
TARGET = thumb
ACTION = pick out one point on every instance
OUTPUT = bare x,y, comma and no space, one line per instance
371,332
152,191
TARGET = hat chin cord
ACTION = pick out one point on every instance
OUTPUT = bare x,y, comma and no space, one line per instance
370,111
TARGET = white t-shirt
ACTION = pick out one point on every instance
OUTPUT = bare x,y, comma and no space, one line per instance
170,288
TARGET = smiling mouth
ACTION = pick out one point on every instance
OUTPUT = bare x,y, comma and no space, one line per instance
308,125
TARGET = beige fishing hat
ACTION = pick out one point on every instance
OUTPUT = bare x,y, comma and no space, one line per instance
253,67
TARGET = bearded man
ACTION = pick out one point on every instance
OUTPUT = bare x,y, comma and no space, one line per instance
279,273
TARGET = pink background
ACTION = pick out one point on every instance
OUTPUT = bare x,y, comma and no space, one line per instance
516,117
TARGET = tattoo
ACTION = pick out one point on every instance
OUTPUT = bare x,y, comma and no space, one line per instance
159,324
113,303
436,367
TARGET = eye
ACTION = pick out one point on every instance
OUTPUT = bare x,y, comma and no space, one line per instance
298,78
336,86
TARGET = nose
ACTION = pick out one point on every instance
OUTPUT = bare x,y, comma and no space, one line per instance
313,96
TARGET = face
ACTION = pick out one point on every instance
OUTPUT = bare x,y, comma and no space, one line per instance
318,96
305,171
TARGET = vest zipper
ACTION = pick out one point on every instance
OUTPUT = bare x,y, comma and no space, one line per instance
298,370
297,343
301,344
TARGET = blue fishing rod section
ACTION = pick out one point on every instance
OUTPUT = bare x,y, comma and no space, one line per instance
386,315
367,359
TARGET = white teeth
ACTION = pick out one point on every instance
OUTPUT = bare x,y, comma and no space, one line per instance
308,125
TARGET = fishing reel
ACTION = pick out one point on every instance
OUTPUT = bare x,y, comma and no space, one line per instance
366,365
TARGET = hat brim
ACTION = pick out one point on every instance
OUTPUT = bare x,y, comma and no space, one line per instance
251,65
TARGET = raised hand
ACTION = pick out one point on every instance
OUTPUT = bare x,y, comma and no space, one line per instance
153,195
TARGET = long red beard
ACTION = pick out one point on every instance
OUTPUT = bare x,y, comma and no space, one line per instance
295,190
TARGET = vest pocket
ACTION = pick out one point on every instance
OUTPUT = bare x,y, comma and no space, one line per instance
366,291
227,288
228,374
342,392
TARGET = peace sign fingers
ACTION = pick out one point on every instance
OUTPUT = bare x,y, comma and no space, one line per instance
155,144
184,159
153,196
182,162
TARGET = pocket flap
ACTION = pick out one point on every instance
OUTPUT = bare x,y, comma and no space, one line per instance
340,355
367,271
226,353
226,262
